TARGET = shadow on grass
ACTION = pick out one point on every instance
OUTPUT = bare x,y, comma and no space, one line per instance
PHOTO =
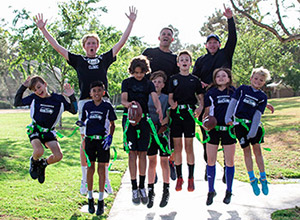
285,103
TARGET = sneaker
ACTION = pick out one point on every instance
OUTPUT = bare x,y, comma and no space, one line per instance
33,168
255,188
108,188
227,198
191,185
41,170
91,206
205,174
100,207
144,197
224,175
151,196
165,199
83,188
136,197
210,197
179,184
264,186
172,170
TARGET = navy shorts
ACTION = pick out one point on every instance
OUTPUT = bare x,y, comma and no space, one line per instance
220,137
182,123
241,134
94,149
44,137
138,137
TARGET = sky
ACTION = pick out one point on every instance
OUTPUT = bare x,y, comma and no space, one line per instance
187,16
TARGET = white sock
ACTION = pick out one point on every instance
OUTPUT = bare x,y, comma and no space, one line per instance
84,171
90,193
101,196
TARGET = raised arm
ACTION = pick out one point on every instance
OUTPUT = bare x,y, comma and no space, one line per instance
132,16
21,90
41,24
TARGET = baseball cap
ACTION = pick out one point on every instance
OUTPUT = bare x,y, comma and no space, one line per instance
213,36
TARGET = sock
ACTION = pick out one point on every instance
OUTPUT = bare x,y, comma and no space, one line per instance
251,176
90,193
101,196
84,171
211,173
191,170
151,186
229,172
178,170
142,182
263,175
166,187
134,184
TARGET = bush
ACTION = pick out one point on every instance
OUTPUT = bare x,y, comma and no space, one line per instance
5,105
119,107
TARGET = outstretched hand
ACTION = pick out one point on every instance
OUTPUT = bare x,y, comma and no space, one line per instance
68,90
39,21
227,13
132,14
27,82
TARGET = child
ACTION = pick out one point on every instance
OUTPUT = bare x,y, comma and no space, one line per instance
158,78
138,88
98,116
216,101
45,111
247,105
182,99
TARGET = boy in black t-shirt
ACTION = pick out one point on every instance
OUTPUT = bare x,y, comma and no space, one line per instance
183,89
137,89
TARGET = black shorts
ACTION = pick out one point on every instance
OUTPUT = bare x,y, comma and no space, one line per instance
182,123
138,137
44,137
94,149
241,134
220,137
154,147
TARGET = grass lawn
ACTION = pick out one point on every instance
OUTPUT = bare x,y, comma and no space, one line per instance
59,197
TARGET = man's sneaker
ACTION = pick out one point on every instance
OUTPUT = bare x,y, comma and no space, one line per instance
151,196
100,207
136,197
210,197
255,188
83,188
227,198
172,170
41,170
143,195
165,199
224,175
91,206
264,186
179,184
191,185
205,174
33,168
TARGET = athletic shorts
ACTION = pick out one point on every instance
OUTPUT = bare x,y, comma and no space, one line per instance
220,137
80,107
138,137
182,123
241,134
44,137
94,149
154,147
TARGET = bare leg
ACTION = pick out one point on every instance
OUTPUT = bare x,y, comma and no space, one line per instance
152,168
132,164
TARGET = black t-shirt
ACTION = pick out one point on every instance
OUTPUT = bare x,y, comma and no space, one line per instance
184,89
165,61
90,70
138,91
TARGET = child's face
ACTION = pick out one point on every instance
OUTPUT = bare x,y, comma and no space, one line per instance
97,93
158,83
184,62
138,74
222,78
257,81
91,46
40,89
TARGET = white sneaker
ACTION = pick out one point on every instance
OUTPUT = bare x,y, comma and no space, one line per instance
108,188
83,188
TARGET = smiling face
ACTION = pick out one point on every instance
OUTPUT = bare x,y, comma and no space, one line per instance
97,93
222,78
257,81
165,38
40,89
138,74
91,46
212,45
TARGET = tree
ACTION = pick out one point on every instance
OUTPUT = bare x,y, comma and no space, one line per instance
251,10
176,44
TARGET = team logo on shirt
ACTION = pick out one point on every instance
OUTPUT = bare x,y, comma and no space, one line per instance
93,63
175,82
96,116
249,101
47,109
223,99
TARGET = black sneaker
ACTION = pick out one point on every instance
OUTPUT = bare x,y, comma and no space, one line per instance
91,206
210,197
151,196
33,168
227,198
224,176
165,199
100,209
136,199
205,174
172,170
41,170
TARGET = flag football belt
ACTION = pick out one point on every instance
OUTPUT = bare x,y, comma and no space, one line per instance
94,137
40,128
